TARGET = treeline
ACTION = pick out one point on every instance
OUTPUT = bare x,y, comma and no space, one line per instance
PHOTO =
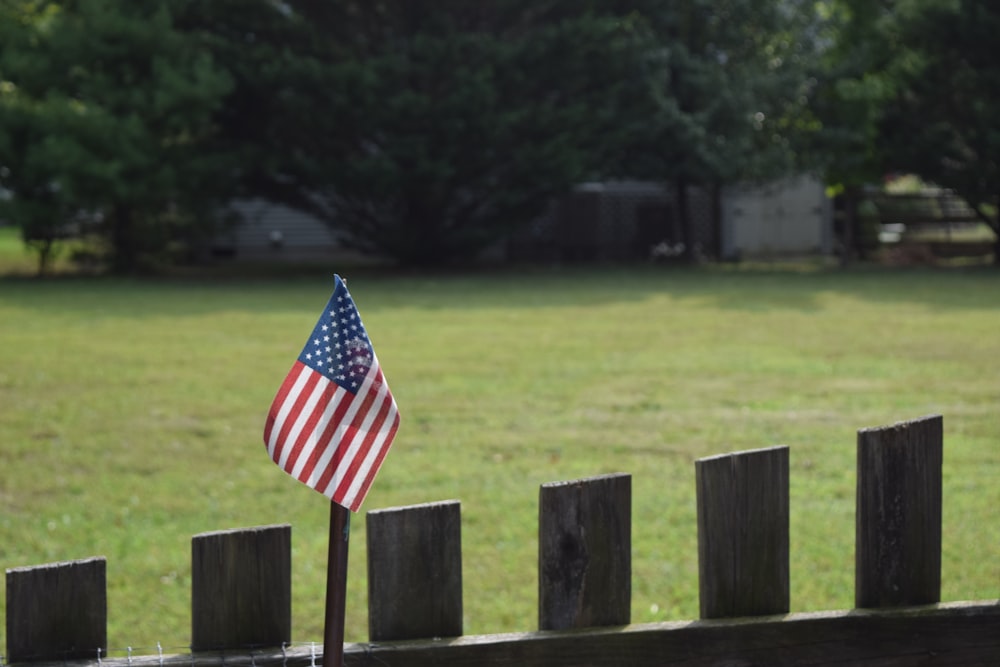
426,130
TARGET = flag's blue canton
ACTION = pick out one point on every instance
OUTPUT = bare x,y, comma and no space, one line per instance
339,348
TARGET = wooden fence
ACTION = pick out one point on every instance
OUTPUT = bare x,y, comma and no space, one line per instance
933,222
241,583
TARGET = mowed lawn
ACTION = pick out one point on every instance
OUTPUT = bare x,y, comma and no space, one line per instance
131,414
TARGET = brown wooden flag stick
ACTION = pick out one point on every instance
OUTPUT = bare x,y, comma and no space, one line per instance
336,586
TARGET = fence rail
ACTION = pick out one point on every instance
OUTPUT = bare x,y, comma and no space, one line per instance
241,584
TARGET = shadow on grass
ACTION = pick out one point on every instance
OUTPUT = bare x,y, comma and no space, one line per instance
274,287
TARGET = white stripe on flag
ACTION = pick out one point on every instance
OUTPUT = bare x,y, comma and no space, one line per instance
302,419
379,431
329,409
338,439
361,477
350,447
352,444
286,407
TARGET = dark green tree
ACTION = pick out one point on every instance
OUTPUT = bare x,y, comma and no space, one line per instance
851,89
424,131
104,109
30,198
846,106
910,86
943,123
728,79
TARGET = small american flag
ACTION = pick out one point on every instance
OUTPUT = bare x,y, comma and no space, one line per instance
334,418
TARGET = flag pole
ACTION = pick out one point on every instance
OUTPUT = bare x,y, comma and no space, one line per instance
336,586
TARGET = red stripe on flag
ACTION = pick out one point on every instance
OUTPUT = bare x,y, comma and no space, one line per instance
323,403
365,434
370,477
279,400
299,399
325,440
372,436
365,437
351,433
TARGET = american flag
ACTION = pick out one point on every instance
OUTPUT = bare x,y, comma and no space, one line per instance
334,418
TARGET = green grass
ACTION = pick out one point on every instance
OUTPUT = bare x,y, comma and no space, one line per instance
132,414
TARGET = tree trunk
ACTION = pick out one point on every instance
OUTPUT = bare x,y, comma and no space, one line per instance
993,224
45,248
716,247
850,224
124,246
683,217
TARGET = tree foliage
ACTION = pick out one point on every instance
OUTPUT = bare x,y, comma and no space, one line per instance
847,103
943,123
910,86
105,109
727,79
426,131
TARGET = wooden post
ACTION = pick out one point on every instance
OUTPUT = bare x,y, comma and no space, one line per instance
57,612
743,533
898,520
415,571
585,553
336,585
241,588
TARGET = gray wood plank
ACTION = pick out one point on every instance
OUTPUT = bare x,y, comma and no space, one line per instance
742,501
241,588
57,611
585,552
415,571
898,515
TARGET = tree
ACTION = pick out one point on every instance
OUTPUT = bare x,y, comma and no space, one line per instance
727,79
105,106
426,131
31,199
911,86
847,103
943,123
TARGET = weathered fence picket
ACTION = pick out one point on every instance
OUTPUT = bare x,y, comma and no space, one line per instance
898,524
415,571
57,611
241,588
585,553
241,582
743,533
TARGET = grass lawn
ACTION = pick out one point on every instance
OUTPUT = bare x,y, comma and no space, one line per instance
131,415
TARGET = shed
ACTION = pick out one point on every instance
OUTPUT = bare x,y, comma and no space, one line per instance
789,217
274,230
